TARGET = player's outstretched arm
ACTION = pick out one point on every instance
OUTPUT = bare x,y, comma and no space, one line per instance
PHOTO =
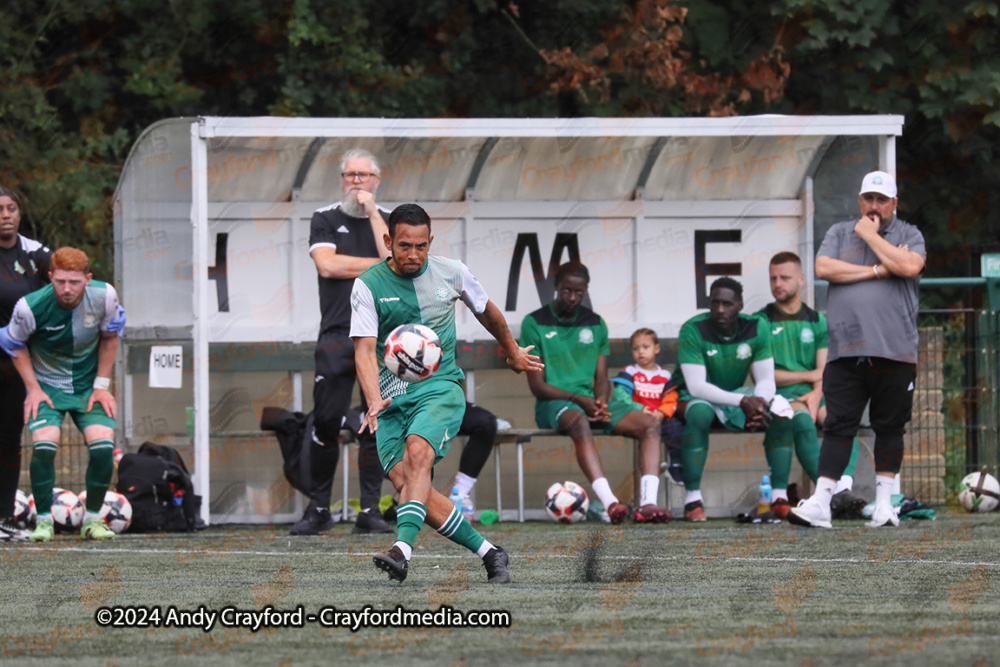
518,358
106,352
367,368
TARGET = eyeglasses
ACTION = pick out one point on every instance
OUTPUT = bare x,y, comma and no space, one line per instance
362,176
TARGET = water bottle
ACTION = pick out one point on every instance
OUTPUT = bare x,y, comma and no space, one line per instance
468,509
455,499
764,495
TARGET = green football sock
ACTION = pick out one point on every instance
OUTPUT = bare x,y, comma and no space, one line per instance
43,474
99,471
698,420
409,518
854,459
779,447
806,443
458,529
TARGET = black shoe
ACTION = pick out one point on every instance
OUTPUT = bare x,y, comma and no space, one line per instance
392,562
313,522
847,505
10,531
370,521
496,561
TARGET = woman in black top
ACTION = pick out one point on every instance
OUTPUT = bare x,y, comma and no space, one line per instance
24,267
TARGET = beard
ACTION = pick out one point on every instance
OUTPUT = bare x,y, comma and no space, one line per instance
349,204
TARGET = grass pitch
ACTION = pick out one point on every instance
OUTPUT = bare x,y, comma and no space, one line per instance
587,594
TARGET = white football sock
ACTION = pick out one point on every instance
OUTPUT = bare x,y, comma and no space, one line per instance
484,548
464,483
883,490
603,491
779,493
692,496
650,485
406,549
91,515
846,483
824,490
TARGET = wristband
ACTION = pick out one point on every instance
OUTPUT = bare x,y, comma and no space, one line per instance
875,271
102,383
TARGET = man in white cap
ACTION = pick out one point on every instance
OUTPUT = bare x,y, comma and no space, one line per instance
873,266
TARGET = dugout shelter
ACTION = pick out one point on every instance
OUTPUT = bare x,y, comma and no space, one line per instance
212,223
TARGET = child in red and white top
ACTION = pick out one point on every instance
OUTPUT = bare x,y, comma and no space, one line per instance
651,386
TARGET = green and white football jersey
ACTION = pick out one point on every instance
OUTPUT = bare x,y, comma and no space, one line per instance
382,300
64,343
727,361
794,341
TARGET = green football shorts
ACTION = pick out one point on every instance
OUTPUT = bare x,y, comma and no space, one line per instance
433,410
731,416
75,405
548,413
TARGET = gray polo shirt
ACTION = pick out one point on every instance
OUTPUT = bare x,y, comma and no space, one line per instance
872,318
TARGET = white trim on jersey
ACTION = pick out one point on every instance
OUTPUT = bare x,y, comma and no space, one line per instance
22,322
323,244
364,318
110,306
473,294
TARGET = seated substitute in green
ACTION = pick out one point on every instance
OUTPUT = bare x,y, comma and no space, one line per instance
715,352
799,343
574,394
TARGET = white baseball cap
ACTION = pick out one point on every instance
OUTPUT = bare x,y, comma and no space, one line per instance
880,182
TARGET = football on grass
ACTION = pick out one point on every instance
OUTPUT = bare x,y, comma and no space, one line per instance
412,352
979,492
566,502
116,512
67,510
24,509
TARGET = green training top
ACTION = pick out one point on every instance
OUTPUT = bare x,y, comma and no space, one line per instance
568,348
727,361
794,342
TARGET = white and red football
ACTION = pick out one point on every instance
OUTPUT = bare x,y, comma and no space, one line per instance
566,502
412,352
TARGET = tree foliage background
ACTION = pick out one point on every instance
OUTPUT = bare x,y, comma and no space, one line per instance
81,80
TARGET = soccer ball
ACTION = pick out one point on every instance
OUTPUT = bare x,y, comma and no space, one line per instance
979,492
67,510
412,352
24,509
116,512
566,502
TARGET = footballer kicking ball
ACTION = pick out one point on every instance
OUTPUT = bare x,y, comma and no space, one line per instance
412,352
566,502
979,492
116,512
24,509
67,510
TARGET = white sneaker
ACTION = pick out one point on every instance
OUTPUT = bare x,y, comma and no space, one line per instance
10,532
810,513
882,516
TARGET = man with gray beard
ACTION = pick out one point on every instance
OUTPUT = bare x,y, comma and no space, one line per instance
344,240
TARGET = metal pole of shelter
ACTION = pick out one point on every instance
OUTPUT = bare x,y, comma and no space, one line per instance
199,223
